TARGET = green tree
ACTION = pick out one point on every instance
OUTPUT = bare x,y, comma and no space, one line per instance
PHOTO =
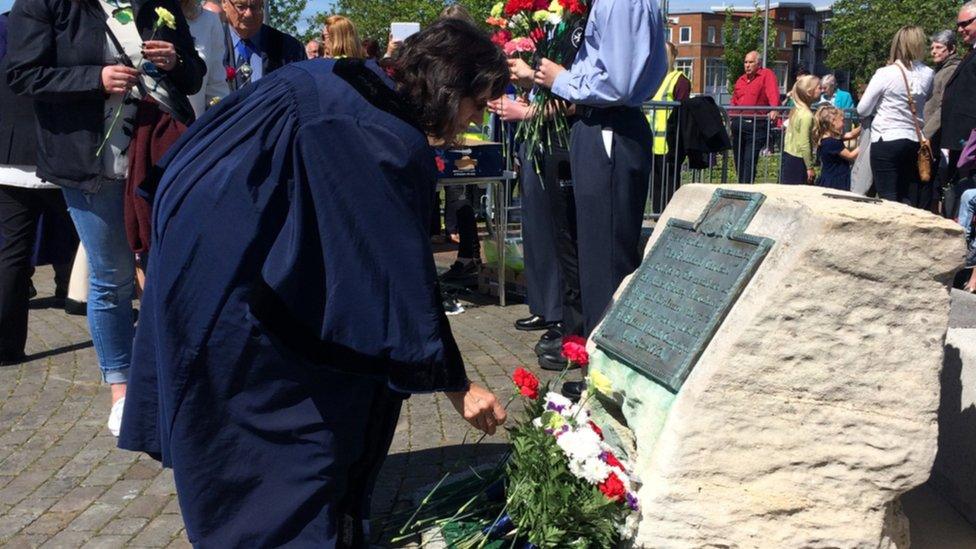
373,17
285,14
859,34
743,35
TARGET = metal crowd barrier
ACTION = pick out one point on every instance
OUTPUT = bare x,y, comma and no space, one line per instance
757,145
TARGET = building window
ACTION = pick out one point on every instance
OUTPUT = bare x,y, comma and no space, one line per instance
670,34
782,70
684,35
716,81
685,65
712,35
782,39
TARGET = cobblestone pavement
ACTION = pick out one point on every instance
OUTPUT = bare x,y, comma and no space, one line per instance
63,483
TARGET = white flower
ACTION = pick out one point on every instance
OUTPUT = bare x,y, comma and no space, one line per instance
537,423
592,470
579,444
558,403
554,19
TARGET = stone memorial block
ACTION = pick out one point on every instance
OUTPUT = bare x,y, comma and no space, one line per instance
775,361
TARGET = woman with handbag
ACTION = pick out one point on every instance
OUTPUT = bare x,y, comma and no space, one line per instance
901,158
88,64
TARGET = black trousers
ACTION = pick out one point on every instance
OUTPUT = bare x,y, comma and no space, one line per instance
894,168
459,205
558,178
543,279
749,137
611,194
20,210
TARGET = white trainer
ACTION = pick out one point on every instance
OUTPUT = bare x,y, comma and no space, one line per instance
115,417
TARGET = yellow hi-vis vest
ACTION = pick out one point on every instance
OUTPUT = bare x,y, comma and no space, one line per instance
664,93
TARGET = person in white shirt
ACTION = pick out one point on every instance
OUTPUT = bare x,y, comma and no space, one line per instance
894,137
208,39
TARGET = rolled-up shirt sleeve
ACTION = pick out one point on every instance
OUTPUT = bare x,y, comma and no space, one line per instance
625,47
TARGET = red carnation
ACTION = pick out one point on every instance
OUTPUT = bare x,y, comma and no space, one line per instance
440,163
612,460
537,34
501,37
231,73
514,6
574,350
613,488
573,6
597,430
540,5
527,383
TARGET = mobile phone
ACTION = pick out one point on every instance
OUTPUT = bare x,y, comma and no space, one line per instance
401,31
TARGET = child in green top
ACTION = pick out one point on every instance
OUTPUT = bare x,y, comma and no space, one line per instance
797,161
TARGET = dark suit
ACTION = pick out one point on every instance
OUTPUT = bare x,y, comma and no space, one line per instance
958,107
56,53
276,49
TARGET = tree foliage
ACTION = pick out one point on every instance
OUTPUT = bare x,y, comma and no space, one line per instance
285,14
859,34
373,17
743,35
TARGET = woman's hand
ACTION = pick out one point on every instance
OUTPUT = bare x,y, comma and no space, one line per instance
811,177
160,53
118,78
521,73
509,110
479,407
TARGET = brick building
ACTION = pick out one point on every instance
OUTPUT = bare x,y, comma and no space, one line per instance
798,28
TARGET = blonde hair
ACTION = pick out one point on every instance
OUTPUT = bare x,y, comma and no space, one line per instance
908,45
343,38
806,91
823,122
672,53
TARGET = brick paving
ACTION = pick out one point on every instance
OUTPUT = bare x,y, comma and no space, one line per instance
63,483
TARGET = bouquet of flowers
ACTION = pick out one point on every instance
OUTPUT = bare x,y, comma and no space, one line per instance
560,485
531,30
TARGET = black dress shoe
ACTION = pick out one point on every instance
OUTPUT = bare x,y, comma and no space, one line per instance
555,362
549,347
572,390
533,323
11,359
77,308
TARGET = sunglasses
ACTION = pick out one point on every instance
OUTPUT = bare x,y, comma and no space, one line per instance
966,23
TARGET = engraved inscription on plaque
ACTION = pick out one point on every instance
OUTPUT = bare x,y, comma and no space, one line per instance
682,291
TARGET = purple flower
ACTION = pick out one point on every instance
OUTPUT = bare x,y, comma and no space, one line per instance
555,407
631,501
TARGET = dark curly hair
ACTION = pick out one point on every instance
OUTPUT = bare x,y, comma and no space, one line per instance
441,65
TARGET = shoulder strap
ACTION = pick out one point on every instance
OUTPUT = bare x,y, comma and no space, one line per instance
122,58
911,102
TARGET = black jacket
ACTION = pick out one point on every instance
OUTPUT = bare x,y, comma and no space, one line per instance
18,143
699,130
958,106
55,55
277,50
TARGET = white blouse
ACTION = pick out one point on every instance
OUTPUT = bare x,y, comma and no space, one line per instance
208,38
886,99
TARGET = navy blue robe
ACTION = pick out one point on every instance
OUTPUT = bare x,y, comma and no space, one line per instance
291,304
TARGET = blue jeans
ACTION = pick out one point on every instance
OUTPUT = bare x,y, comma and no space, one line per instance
967,203
98,219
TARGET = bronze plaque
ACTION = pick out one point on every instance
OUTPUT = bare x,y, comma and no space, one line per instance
680,294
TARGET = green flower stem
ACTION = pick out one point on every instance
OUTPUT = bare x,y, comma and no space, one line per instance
115,119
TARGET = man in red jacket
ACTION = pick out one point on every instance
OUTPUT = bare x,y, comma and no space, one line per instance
750,129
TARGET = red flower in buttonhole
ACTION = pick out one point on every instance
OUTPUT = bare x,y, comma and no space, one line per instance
612,460
613,488
574,350
537,34
515,6
596,429
231,73
501,37
527,383
440,163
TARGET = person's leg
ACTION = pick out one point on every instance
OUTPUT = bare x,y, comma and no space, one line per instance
543,283
884,169
760,138
562,204
19,212
98,219
77,301
743,144
909,184
453,199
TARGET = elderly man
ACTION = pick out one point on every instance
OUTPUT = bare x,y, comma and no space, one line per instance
830,94
253,48
958,107
313,49
757,87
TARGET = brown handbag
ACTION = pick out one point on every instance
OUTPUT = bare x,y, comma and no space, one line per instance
925,157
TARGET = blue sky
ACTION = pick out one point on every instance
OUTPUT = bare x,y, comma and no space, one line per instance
315,6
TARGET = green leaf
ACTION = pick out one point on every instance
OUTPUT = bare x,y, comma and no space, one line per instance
123,15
